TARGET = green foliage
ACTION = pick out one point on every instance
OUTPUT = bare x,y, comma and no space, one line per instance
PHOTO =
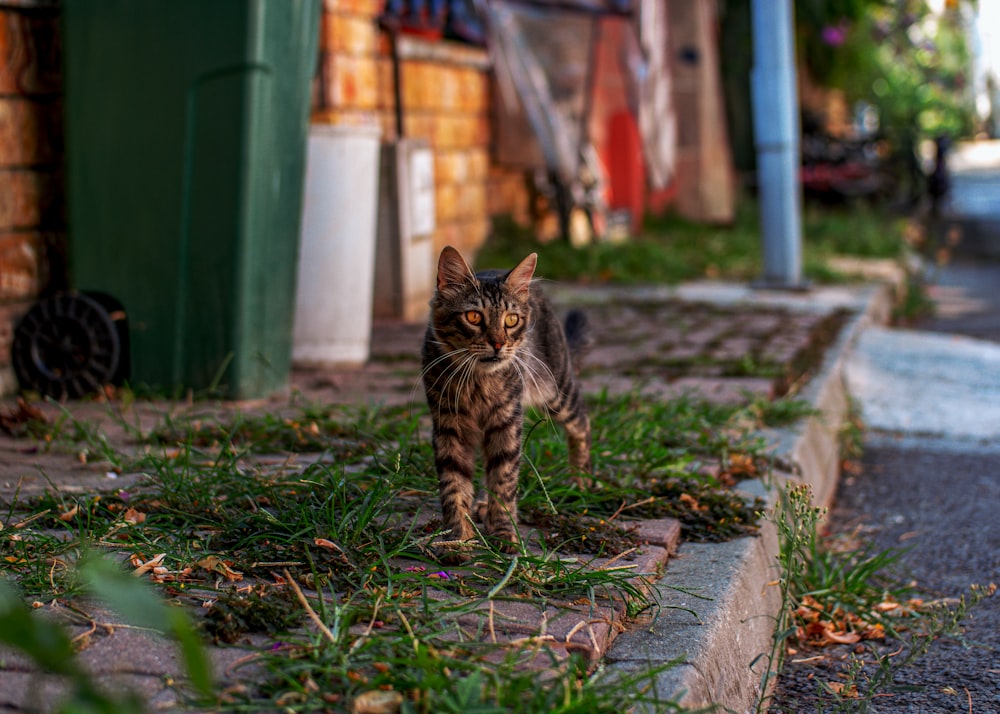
796,520
428,667
355,525
49,647
910,63
671,249
826,32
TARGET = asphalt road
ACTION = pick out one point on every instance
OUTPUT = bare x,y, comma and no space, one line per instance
929,480
928,485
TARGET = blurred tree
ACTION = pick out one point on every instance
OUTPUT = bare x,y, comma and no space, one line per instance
912,64
900,56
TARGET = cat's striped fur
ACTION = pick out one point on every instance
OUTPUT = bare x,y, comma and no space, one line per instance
494,344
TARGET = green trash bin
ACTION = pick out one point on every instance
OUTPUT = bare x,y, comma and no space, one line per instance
186,132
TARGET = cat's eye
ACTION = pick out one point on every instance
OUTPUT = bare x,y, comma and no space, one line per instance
474,317
510,320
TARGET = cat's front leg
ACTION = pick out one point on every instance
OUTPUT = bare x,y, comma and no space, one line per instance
454,459
502,457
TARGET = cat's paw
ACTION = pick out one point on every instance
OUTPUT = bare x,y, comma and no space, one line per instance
506,541
453,554
583,482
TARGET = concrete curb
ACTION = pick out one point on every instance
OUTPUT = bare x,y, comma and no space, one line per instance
719,612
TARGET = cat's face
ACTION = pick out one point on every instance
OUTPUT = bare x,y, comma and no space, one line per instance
481,319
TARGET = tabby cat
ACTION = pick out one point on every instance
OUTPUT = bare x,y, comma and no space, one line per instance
494,344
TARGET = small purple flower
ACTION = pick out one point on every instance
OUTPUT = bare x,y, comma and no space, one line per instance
441,575
834,35
277,646
124,495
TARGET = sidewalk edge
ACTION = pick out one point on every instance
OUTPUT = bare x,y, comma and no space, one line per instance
722,654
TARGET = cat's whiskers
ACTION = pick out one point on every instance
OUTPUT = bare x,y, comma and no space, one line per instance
461,371
551,377
467,377
432,363
459,377
522,367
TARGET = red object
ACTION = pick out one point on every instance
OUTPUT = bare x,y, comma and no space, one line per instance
626,169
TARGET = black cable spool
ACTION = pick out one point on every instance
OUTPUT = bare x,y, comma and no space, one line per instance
69,345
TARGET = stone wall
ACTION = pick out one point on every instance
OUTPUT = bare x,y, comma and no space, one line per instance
32,216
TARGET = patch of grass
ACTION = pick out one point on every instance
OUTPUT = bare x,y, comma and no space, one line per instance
346,433
671,249
779,412
660,459
264,609
916,303
595,536
206,496
428,666
232,517
838,591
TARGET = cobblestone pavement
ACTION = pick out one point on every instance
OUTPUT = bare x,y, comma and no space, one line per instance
655,341
662,346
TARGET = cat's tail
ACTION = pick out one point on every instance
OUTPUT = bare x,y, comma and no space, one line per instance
578,337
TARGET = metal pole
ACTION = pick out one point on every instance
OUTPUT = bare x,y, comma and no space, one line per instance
776,135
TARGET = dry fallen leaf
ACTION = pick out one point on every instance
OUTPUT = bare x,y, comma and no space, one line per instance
842,638
691,502
141,568
824,633
742,465
874,632
809,609
215,564
134,517
70,514
378,701
328,544
844,690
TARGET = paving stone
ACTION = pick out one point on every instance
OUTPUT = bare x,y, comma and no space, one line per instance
722,391
684,351
628,333
733,349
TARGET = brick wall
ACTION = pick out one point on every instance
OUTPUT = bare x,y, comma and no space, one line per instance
445,93
31,194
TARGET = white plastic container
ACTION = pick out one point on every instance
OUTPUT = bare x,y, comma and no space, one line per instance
333,306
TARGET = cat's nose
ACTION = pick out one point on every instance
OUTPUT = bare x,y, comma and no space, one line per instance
497,346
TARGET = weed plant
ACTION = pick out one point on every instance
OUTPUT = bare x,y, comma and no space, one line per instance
834,595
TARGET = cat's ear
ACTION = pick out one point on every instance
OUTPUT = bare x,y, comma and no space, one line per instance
453,271
519,279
